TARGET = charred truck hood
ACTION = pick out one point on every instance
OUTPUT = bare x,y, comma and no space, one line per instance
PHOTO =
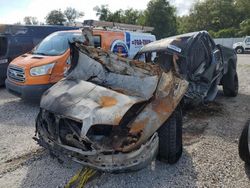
106,112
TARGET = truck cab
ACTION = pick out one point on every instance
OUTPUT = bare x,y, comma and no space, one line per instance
242,47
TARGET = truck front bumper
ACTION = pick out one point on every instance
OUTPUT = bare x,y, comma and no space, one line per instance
27,92
116,162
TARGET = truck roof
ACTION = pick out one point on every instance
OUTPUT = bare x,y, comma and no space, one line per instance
178,43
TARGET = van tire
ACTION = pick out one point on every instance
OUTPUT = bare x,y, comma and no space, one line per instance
170,138
230,81
244,152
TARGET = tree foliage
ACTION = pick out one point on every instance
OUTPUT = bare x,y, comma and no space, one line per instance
30,20
71,14
224,18
102,12
245,27
128,16
162,16
55,17
211,15
159,14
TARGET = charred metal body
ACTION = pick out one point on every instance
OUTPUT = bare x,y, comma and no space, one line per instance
105,114
62,136
200,61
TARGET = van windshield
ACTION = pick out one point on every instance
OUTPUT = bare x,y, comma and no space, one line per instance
3,46
57,43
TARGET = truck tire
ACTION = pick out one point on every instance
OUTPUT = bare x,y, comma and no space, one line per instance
239,50
170,138
230,81
243,145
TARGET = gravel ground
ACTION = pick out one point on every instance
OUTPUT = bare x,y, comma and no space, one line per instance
210,156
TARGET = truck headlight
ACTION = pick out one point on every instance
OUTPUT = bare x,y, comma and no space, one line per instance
42,70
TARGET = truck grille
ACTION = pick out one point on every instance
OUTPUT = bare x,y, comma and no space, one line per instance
16,74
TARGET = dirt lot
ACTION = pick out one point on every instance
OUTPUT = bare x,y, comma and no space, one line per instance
210,157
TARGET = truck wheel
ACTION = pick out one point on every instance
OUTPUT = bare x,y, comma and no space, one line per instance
170,138
239,50
230,82
243,145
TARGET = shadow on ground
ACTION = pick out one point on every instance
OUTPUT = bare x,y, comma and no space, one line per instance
46,171
247,170
181,174
225,118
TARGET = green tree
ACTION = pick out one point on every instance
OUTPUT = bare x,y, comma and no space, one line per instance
72,14
55,17
102,12
162,16
222,18
183,24
29,20
117,16
225,33
141,20
243,7
213,15
132,16
128,16
245,28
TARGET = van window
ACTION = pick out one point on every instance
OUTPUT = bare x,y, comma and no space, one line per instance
97,41
3,46
57,44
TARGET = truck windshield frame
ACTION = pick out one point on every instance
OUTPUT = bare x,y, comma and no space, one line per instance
57,44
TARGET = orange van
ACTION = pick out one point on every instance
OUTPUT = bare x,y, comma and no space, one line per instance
30,74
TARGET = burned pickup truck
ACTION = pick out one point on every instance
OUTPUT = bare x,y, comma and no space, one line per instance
197,59
116,114
112,113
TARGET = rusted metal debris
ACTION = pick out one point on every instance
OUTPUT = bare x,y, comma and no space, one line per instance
105,114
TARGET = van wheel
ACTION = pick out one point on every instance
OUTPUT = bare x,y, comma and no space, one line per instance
230,82
170,138
239,50
244,152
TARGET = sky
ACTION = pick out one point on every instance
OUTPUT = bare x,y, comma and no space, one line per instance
13,11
